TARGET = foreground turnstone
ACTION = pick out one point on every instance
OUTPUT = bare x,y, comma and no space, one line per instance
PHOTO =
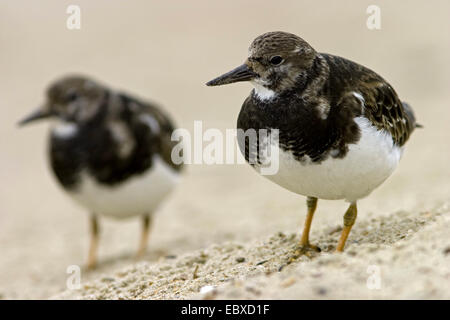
109,151
342,127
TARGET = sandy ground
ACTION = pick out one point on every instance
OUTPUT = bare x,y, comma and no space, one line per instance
384,255
225,229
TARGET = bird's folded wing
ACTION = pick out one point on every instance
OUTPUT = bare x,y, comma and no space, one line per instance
385,110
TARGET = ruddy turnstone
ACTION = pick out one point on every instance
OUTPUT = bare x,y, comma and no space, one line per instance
110,152
342,127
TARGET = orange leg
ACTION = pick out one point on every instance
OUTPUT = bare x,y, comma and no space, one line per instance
146,221
311,203
349,221
92,257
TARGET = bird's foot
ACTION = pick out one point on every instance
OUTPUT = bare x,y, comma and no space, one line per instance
91,265
307,249
303,248
140,253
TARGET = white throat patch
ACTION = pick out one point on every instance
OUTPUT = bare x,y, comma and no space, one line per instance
262,92
64,130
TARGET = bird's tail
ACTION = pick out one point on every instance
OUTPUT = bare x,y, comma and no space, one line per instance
411,117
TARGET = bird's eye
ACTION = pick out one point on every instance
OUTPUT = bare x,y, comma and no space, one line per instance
276,60
71,96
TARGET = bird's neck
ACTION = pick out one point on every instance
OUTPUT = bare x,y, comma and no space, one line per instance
315,78
263,92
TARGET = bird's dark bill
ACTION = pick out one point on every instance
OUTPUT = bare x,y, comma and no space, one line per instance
36,115
241,73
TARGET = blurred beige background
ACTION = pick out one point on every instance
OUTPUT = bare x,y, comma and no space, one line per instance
165,51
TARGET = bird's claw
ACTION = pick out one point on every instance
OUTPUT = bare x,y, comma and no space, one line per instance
308,247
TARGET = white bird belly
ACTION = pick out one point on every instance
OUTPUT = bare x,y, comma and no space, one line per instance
366,165
138,195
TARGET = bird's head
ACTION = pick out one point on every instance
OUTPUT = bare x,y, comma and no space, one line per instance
71,99
275,62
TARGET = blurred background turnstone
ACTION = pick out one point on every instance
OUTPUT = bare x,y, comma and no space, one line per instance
109,151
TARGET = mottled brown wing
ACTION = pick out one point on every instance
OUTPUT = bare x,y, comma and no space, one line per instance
152,129
381,103
166,128
385,110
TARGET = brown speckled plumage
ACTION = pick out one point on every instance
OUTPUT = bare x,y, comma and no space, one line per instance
381,103
318,95
341,127
113,141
